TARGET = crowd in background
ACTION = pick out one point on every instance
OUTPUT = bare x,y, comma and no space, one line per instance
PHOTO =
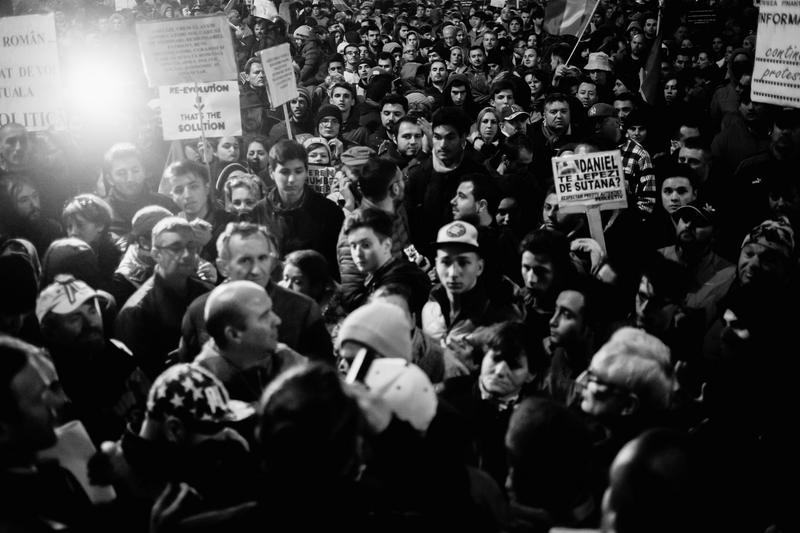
368,311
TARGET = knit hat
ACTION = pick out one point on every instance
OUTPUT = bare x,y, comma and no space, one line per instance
17,284
329,111
63,296
380,326
303,93
391,47
147,217
70,256
416,97
311,141
193,395
776,235
405,388
303,32
598,61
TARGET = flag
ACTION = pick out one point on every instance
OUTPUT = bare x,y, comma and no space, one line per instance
650,73
568,17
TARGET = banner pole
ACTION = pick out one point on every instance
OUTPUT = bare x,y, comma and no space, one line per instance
212,186
583,30
288,123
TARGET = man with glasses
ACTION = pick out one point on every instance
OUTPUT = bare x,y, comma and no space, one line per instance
351,57
150,321
248,252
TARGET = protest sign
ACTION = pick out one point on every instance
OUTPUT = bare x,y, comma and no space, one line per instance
119,5
321,178
279,74
590,183
186,108
181,50
497,3
264,9
776,74
30,77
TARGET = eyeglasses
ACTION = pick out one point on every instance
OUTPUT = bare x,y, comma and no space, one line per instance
329,121
178,249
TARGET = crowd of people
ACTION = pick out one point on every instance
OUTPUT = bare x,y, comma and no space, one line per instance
369,313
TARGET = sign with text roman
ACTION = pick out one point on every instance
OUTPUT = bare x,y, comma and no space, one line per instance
279,74
590,181
776,74
186,108
191,49
320,178
30,77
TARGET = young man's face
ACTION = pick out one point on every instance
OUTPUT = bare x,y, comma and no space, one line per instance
335,67
290,179
342,98
557,115
676,192
538,272
568,327
458,94
190,194
373,37
438,72
385,64
448,144
127,176
489,41
502,99
476,58
409,139
351,55
256,75
369,250
463,203
390,114
458,269
27,203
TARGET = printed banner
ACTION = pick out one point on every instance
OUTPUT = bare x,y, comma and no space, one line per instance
30,77
187,108
776,75
188,49
279,74
586,180
321,178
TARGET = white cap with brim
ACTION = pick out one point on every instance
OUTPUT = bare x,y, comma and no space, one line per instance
63,296
405,388
458,233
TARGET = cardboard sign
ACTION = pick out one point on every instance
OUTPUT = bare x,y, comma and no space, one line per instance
776,74
187,49
321,178
590,180
264,9
279,74
186,108
497,3
30,77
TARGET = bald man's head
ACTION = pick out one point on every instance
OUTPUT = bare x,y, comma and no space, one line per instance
239,317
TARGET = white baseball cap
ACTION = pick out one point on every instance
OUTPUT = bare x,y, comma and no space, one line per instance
63,296
458,232
405,388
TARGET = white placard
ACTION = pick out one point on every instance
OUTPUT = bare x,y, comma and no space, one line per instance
30,77
264,9
776,74
185,108
590,180
279,74
191,49
497,3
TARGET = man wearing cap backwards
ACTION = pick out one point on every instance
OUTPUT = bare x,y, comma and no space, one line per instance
243,352
711,275
150,321
460,302
309,56
99,374
636,164
248,252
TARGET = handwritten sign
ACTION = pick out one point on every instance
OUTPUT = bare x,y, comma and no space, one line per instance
497,3
587,180
279,73
212,108
776,74
180,50
30,77
321,178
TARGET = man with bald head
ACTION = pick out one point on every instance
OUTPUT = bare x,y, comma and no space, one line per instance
243,351
249,252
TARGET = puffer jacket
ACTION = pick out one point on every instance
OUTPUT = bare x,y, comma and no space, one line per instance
309,61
